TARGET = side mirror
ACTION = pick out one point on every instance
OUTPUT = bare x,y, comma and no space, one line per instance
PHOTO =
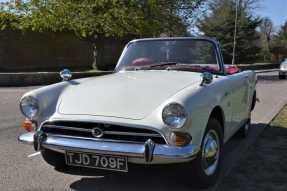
207,78
66,74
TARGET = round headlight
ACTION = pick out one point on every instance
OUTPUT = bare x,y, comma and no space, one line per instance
174,115
29,107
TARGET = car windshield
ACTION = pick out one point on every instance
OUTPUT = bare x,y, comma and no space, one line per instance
172,54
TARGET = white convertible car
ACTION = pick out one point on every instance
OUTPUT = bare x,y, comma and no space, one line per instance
169,100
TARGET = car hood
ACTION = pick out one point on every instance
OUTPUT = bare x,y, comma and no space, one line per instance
130,94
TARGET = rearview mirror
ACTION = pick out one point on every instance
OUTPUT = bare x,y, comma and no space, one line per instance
207,78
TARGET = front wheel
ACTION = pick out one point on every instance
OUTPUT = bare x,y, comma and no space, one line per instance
207,164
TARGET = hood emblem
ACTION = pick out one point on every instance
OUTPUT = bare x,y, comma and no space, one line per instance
97,132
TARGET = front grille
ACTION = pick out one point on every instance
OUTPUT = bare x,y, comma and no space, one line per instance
110,132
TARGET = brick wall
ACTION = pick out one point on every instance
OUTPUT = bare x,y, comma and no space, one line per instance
32,51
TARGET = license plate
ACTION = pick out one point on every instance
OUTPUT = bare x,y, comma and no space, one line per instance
99,161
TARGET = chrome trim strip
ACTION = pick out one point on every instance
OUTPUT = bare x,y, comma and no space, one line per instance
92,138
131,134
68,128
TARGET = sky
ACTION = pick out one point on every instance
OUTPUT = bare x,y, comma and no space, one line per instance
276,10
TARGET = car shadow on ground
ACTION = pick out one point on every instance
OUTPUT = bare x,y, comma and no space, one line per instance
169,178
130,183
138,178
263,166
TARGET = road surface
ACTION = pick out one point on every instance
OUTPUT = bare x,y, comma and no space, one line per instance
21,171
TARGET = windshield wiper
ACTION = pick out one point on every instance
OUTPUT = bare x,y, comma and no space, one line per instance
152,66
159,65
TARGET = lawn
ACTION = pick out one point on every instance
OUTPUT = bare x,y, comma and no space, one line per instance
281,119
264,166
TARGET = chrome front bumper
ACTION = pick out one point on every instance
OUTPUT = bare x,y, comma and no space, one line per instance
149,152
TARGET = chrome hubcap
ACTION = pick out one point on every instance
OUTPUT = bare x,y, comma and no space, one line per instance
210,152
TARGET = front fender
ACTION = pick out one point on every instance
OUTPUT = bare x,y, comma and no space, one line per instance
47,98
200,104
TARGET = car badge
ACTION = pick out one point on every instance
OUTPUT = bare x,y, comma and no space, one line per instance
97,132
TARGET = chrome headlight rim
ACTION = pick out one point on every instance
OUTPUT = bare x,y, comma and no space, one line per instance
178,123
32,102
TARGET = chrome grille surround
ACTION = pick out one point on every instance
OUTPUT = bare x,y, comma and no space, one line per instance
111,132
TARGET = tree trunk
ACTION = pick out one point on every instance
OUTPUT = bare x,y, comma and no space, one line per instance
95,54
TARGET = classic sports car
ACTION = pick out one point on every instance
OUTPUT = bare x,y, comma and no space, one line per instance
283,69
170,100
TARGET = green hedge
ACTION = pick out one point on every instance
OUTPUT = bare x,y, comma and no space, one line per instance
9,21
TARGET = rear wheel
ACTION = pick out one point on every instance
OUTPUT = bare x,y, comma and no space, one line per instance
207,164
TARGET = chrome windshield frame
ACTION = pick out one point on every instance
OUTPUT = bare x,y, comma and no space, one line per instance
219,57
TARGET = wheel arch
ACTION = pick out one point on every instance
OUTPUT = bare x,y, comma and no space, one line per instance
218,113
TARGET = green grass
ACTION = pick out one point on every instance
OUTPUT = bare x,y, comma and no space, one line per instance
281,119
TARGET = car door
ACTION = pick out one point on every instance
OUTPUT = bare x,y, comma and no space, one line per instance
239,102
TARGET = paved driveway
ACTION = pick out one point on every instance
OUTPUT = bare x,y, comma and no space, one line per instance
20,172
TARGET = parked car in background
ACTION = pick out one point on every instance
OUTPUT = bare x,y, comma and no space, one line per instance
170,100
283,69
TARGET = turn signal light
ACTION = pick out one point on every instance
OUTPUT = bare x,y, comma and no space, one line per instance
180,139
28,125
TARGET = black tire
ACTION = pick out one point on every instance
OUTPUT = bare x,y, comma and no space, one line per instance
281,77
245,129
202,179
54,158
